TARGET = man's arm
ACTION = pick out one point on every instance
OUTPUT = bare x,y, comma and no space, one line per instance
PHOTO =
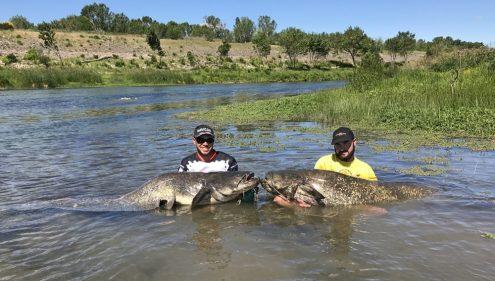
183,166
233,167
279,200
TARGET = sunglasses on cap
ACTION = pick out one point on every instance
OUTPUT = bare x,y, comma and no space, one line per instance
202,139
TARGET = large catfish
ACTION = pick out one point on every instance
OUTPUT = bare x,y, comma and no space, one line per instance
191,189
325,188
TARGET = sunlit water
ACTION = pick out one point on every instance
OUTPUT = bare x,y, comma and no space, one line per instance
91,145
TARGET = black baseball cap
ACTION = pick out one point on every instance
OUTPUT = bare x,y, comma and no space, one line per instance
203,130
342,134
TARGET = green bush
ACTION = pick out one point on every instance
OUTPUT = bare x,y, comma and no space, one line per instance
191,58
298,66
6,26
32,54
44,60
223,49
463,59
9,59
153,59
134,63
371,71
120,63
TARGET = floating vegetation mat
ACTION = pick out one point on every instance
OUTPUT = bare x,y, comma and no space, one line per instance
428,170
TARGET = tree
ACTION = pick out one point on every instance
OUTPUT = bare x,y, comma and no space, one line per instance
392,46
21,22
224,49
292,41
174,31
370,72
154,43
119,23
406,43
141,26
217,27
402,44
266,26
317,46
99,15
48,36
186,29
213,22
354,42
372,61
72,23
243,30
261,44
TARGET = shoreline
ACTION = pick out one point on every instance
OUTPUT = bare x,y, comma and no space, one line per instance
160,85
40,79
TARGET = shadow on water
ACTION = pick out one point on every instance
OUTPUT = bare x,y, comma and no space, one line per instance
210,222
335,225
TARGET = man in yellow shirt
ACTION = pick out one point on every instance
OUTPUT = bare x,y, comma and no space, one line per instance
342,161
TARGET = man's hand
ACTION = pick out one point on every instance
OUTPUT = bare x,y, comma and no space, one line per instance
279,200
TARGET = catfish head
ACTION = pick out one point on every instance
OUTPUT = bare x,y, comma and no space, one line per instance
226,186
283,183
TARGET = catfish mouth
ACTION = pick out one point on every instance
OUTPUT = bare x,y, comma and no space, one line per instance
249,176
270,186
266,185
248,181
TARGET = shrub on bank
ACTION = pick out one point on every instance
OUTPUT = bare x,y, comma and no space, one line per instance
463,59
6,26
32,54
9,59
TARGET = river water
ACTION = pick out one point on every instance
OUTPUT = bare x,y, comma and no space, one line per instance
95,144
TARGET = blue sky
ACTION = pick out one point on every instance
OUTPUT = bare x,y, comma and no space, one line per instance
467,20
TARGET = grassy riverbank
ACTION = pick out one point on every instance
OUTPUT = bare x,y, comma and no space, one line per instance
73,77
413,103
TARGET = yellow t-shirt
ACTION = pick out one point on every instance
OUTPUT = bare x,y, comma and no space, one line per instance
356,168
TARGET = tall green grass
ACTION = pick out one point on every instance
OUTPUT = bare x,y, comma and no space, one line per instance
47,77
205,76
411,100
54,77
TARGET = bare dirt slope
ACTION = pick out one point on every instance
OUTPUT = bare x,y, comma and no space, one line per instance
127,46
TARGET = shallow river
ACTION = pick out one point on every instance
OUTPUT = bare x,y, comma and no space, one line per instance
94,144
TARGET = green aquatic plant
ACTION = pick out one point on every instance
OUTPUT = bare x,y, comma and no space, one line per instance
428,170
430,160
488,235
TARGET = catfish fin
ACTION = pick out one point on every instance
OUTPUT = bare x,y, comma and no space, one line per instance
203,197
313,191
167,204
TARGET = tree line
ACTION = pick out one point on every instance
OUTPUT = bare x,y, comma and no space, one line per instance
295,42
